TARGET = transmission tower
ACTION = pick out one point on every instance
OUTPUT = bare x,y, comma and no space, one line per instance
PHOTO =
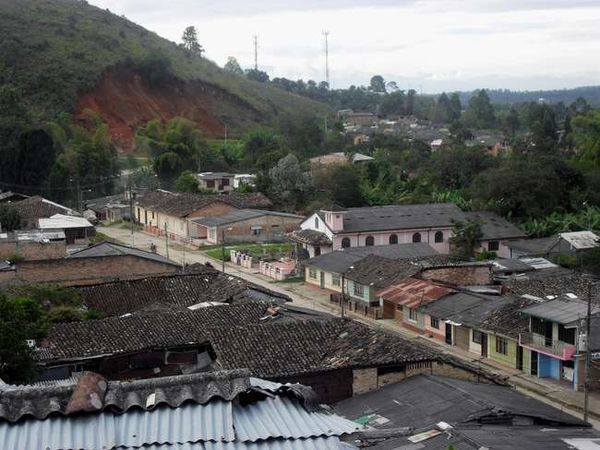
326,35
256,52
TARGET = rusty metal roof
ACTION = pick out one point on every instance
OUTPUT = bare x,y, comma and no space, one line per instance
413,292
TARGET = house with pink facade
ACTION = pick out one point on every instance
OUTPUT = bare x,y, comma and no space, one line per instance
336,228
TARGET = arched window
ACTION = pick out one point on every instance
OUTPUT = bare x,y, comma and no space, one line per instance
393,238
316,222
345,242
417,237
439,237
369,241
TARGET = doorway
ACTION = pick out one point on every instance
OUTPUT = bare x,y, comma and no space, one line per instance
484,345
534,363
448,334
519,365
322,280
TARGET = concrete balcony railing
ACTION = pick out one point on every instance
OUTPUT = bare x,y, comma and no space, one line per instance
542,344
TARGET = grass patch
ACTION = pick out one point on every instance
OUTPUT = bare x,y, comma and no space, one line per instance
254,250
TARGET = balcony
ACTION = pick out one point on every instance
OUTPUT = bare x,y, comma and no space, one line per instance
552,347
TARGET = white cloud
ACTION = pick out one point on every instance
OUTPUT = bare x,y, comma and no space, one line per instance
438,44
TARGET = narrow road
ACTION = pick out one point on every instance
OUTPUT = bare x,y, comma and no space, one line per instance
559,396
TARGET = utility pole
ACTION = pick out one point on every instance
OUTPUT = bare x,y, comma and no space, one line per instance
586,383
326,34
167,238
223,250
131,215
343,294
256,52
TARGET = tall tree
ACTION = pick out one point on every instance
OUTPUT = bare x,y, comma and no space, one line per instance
289,184
232,65
377,84
9,218
189,41
480,112
466,236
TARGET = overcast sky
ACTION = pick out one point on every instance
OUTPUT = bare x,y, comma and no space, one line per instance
431,45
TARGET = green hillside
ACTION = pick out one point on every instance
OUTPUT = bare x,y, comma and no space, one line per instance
55,50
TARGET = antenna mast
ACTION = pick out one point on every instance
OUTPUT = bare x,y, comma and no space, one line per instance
256,52
326,34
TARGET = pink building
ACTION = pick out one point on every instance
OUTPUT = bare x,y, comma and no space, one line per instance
335,228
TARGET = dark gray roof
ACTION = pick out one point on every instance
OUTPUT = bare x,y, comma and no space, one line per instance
104,249
381,272
509,319
339,261
561,310
465,308
422,401
240,215
177,292
510,265
534,246
399,217
493,226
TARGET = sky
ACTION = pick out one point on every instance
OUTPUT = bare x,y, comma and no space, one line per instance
427,45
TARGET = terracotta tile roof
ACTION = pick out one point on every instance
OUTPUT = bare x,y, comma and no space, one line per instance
119,335
381,272
508,319
37,207
308,347
311,237
413,292
173,291
183,204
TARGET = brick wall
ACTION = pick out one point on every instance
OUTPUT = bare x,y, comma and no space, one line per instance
89,270
272,227
460,276
33,250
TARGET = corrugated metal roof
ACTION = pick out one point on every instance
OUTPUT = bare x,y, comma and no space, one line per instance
282,417
103,249
61,221
413,292
561,310
273,423
581,239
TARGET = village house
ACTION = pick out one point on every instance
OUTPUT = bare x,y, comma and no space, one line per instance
201,411
221,182
32,244
325,271
244,179
554,340
32,209
112,208
338,159
98,263
382,225
428,412
163,212
217,337
569,243
245,225
77,230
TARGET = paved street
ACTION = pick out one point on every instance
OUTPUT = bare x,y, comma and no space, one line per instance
558,395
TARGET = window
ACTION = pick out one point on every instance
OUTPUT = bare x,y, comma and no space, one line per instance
493,246
225,181
416,237
335,279
435,323
477,337
393,239
412,314
370,241
316,222
566,334
439,237
312,273
317,251
358,290
210,183
256,231
501,345
538,326
346,242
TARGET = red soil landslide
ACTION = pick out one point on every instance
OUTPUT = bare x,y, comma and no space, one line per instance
124,101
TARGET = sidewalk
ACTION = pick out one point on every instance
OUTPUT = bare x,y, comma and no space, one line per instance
554,393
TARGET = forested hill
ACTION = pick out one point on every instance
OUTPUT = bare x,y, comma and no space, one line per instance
67,55
567,96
